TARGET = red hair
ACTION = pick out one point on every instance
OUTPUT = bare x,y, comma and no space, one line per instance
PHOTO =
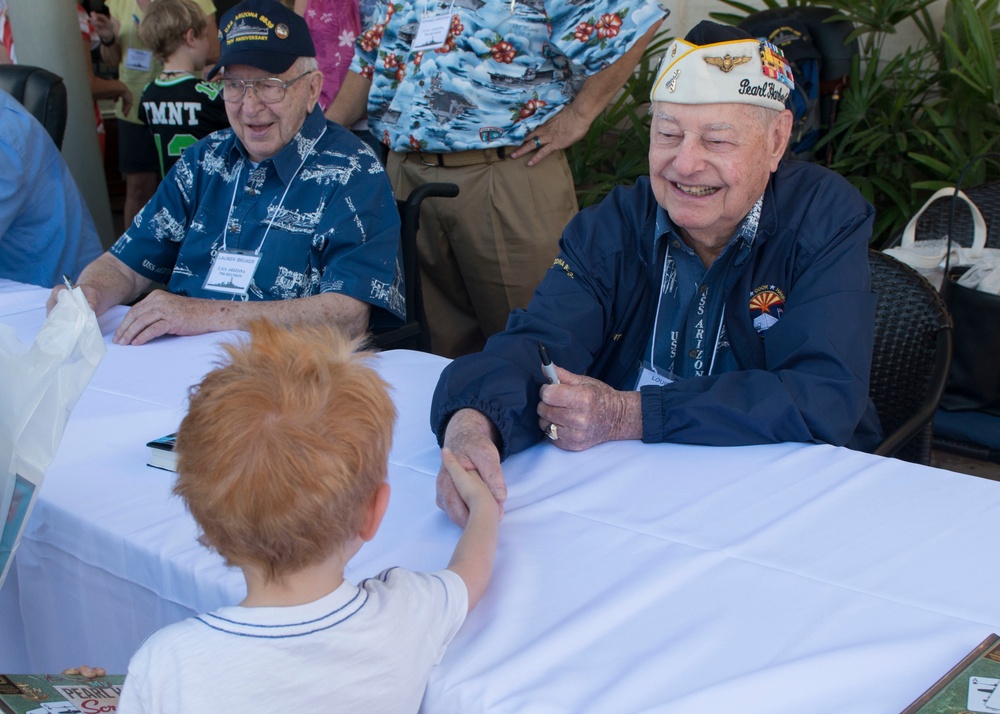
283,448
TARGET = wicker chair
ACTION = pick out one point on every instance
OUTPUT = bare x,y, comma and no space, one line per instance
910,360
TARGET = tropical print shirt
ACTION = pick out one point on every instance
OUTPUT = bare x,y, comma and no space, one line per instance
503,67
320,214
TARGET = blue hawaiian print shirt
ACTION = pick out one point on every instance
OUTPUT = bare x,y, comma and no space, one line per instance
504,68
334,225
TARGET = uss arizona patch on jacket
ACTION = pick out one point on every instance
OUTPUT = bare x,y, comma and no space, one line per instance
767,304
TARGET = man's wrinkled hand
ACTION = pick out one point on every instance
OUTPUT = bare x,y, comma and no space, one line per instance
560,132
163,313
472,489
469,438
53,298
587,412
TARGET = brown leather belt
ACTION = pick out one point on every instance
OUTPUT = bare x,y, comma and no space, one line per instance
458,158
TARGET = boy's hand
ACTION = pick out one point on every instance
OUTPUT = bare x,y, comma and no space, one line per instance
470,486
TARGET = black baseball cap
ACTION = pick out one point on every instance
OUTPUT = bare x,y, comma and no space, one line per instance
707,32
263,34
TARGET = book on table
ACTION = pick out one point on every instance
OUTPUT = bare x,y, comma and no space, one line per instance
161,452
59,693
972,685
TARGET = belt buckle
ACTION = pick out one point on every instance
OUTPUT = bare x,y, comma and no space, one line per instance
438,162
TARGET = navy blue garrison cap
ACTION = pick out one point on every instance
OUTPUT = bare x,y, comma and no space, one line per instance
263,34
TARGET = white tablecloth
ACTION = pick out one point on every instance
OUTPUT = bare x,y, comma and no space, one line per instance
629,578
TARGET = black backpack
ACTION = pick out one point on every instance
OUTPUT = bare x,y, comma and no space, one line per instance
820,58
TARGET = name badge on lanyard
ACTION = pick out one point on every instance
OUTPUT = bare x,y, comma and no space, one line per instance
432,32
232,271
651,377
137,59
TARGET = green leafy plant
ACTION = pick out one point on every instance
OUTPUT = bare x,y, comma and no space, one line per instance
907,124
615,149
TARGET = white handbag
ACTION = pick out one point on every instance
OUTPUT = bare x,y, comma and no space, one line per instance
928,257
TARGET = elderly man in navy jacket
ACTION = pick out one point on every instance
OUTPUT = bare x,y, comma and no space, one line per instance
726,300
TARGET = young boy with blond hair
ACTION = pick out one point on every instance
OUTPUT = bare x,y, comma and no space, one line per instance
178,106
282,461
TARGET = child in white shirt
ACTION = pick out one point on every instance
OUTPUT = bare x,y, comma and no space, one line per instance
282,461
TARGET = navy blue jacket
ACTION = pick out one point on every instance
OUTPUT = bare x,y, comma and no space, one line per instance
805,378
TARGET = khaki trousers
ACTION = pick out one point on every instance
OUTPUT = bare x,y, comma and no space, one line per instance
483,253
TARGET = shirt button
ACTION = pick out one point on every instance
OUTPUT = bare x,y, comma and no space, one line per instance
704,289
693,354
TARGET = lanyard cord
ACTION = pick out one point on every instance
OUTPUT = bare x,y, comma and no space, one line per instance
718,334
656,320
451,8
135,24
722,317
270,221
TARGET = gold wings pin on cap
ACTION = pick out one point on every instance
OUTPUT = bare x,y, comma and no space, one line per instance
727,62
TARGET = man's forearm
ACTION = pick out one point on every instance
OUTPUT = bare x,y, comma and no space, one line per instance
108,282
351,102
628,417
345,311
112,54
599,89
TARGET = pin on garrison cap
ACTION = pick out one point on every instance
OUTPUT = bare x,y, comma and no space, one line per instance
718,64
263,34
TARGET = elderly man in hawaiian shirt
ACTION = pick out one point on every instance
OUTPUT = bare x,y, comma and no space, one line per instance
285,216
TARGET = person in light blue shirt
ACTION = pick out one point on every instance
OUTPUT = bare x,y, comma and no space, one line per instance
284,216
45,227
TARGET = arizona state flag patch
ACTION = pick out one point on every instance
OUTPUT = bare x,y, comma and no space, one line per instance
767,304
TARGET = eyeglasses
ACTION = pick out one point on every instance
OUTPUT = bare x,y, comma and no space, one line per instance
270,90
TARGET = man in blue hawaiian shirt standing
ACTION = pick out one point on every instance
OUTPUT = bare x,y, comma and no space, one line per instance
286,216
487,94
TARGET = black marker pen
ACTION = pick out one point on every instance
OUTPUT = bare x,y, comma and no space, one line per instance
547,367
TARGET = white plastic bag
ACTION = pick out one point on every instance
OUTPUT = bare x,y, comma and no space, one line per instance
984,275
40,385
928,257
